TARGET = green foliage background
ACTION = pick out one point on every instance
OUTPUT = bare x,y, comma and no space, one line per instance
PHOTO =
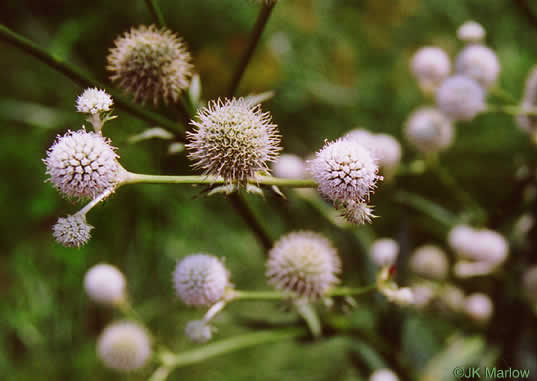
334,65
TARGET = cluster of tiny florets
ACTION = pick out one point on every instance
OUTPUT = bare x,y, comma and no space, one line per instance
94,101
198,331
201,280
105,284
479,63
430,262
82,164
124,346
384,252
471,32
151,64
460,98
304,263
428,130
430,65
358,212
233,139
72,231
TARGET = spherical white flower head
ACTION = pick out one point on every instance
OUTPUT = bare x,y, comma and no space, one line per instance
305,263
387,150
430,65
105,284
479,307
151,64
345,171
198,331
360,136
429,261
471,32
460,237
428,130
233,139
124,346
529,102
72,231
460,98
530,283
358,212
200,280
93,101
480,245
82,164
479,63
423,294
384,252
288,166
383,375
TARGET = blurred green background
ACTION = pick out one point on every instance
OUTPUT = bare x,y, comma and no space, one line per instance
334,65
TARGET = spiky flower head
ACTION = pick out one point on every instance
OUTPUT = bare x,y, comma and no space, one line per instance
430,65
384,252
479,63
529,102
358,212
289,166
479,307
200,280
305,263
460,98
94,101
72,231
124,346
83,164
151,64
105,284
471,32
345,171
383,375
199,331
430,262
428,130
233,139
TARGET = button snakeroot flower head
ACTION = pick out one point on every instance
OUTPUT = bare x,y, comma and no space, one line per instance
150,63
429,131
304,263
289,166
199,331
72,231
430,262
358,212
124,346
479,307
201,280
94,101
430,65
460,98
383,375
83,164
479,63
233,139
384,252
105,284
471,32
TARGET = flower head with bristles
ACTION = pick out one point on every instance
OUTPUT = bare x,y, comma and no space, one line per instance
479,63
72,231
201,280
199,331
124,346
83,164
105,284
358,213
428,130
304,263
460,98
233,139
430,65
94,101
151,64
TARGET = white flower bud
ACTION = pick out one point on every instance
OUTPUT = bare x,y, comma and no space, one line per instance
105,284
471,32
288,166
479,307
423,294
72,231
199,331
428,130
384,252
94,101
430,65
383,375
430,262
460,98
479,63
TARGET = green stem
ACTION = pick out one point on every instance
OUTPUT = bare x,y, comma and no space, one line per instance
279,295
512,110
84,80
255,36
90,205
501,93
155,11
348,291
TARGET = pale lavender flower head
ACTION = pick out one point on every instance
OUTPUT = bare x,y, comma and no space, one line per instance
479,307
72,231
479,63
430,262
384,252
471,32
198,331
430,65
460,98
289,166
105,284
429,131
94,101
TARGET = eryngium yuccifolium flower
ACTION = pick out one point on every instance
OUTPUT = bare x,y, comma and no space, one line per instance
478,307
428,130
430,262
199,331
384,252
289,166
358,212
471,32
305,263
233,139
150,63
124,346
460,98
82,164
430,65
93,101
482,245
345,171
72,231
529,101
383,375
105,284
479,63
200,280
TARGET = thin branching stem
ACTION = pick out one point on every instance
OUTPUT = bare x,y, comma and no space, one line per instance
512,110
280,295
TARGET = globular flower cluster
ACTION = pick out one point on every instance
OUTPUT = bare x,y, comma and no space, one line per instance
304,263
83,164
384,252
429,131
479,307
430,65
429,261
201,280
198,331
233,139
471,32
72,231
151,63
124,346
289,166
460,97
94,101
105,284
479,63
